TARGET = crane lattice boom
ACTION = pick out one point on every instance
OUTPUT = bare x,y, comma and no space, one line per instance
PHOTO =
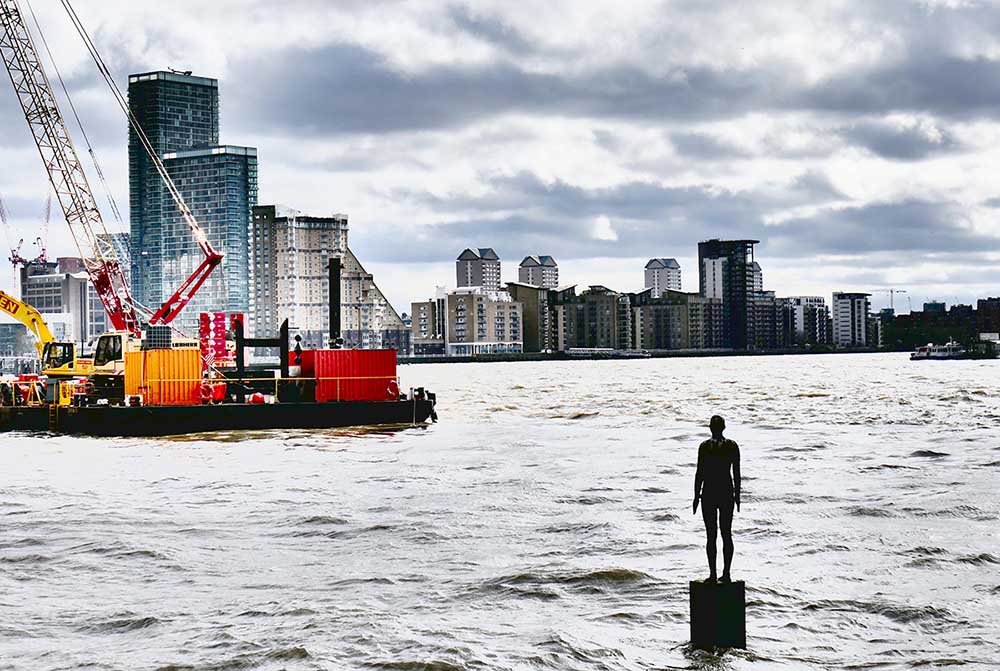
69,182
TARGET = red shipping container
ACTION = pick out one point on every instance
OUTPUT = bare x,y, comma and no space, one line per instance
356,375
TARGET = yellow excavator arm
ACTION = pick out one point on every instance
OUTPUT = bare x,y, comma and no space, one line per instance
58,358
30,317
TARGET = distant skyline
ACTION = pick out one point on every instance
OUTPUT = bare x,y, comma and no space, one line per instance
857,140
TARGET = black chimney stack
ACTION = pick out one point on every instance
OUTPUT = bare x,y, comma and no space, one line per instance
335,340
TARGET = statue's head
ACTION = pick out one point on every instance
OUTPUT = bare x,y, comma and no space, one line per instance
717,425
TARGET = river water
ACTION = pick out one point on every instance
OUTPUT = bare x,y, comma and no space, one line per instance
543,523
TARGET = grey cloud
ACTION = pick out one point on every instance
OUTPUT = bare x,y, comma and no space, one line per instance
908,226
490,30
350,89
705,146
530,214
932,82
904,143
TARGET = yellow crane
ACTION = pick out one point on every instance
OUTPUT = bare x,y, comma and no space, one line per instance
58,358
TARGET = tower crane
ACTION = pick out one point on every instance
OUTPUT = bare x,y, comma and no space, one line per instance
892,295
69,182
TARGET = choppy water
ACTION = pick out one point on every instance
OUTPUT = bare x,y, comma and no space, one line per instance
544,523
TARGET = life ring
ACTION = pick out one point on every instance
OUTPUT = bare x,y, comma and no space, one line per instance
206,392
393,389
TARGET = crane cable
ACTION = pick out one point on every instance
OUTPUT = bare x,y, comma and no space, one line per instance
199,234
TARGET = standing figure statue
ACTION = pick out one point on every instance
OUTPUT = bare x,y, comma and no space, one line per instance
718,490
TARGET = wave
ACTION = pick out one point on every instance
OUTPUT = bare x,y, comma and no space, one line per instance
322,520
398,665
122,622
574,527
865,511
900,613
588,500
929,454
979,559
26,559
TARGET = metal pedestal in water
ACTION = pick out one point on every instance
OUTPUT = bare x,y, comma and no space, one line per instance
718,614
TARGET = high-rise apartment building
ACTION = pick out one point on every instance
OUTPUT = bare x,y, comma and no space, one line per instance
179,113
676,321
850,319
662,275
727,271
290,257
595,318
539,271
289,276
804,320
478,268
481,321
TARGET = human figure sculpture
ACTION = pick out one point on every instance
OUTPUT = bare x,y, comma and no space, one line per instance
717,486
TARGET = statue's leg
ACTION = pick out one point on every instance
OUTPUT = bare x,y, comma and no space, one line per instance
726,527
708,513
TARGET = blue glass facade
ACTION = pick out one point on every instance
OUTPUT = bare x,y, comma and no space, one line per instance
180,115
220,186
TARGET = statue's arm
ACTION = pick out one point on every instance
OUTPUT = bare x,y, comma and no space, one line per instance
736,474
699,476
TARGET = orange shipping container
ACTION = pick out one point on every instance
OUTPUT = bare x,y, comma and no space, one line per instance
356,375
164,376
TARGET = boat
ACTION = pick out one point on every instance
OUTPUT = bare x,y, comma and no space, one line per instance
949,351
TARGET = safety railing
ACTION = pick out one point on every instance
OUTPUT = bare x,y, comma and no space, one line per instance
23,393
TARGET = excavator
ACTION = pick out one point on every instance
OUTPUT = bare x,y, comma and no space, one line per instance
58,358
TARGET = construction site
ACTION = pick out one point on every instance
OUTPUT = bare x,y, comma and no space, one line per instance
180,359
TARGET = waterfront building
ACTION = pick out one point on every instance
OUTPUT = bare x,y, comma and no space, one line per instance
803,320
536,315
289,270
850,319
179,113
367,319
62,292
988,315
290,256
935,306
728,272
764,322
481,321
539,271
478,268
662,275
595,318
430,320
909,331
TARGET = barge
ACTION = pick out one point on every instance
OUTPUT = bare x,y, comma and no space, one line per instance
123,421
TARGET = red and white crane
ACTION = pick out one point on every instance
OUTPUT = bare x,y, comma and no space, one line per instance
69,182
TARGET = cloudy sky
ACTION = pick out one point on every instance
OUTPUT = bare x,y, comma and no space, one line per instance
858,140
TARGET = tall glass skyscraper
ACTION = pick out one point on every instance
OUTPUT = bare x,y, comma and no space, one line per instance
180,115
